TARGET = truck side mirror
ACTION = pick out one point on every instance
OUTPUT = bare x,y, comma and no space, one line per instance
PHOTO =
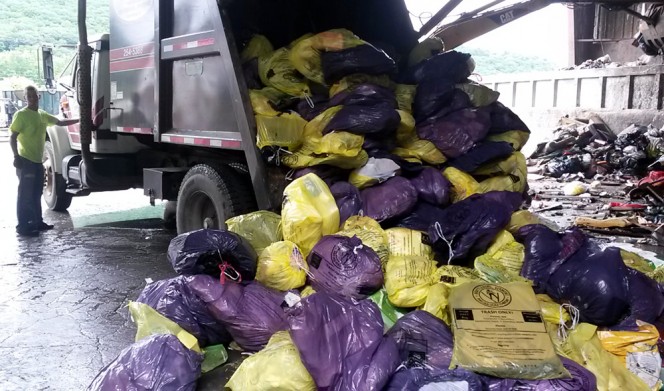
47,67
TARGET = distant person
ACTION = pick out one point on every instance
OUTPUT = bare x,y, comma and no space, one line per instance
28,135
10,109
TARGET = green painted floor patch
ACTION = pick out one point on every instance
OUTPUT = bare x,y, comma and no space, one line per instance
147,212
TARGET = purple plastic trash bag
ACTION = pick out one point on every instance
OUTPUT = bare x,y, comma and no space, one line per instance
348,200
581,380
341,343
545,251
451,65
417,378
431,97
421,218
206,250
393,198
593,282
424,341
571,268
158,362
329,174
646,302
251,313
365,94
466,228
482,152
320,102
343,265
365,59
174,299
378,119
432,186
457,132
504,120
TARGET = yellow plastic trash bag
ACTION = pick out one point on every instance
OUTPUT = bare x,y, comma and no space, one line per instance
305,55
575,188
262,100
285,130
150,322
463,185
521,218
637,350
637,262
406,130
307,291
553,312
448,276
302,160
351,81
277,367
499,331
423,150
502,261
261,228
308,213
408,280
370,233
405,94
509,174
479,94
276,71
407,242
281,266
374,172
424,50
335,143
258,46
583,346
517,138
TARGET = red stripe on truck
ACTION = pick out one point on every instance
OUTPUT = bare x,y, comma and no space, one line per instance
133,64
202,141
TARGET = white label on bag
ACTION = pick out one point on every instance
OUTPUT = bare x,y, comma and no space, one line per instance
446,386
645,365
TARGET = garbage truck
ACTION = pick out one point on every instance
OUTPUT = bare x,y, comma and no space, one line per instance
170,108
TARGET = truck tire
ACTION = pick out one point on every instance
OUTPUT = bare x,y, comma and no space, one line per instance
55,187
209,197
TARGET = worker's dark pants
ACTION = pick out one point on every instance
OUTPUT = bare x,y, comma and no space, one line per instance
30,187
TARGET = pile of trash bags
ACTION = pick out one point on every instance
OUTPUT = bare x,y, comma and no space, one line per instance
401,258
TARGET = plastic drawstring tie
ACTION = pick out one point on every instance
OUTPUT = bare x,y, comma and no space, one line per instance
563,328
224,268
439,232
310,101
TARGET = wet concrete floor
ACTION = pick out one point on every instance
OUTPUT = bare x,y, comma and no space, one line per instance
63,295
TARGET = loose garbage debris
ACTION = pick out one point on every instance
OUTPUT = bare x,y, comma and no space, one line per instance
403,257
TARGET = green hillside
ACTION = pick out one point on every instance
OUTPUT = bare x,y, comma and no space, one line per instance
27,24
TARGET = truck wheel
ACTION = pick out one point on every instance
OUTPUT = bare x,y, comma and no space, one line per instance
208,197
55,187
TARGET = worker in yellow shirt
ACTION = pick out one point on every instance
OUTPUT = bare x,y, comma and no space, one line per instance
28,135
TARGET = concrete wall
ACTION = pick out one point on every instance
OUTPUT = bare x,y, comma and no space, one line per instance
620,96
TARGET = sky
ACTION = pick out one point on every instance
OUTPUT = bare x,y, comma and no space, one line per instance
542,33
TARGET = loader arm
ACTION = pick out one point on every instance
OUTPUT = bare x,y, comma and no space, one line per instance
476,23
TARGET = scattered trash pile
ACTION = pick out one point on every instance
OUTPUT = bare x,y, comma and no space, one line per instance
624,170
401,259
606,62
589,147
